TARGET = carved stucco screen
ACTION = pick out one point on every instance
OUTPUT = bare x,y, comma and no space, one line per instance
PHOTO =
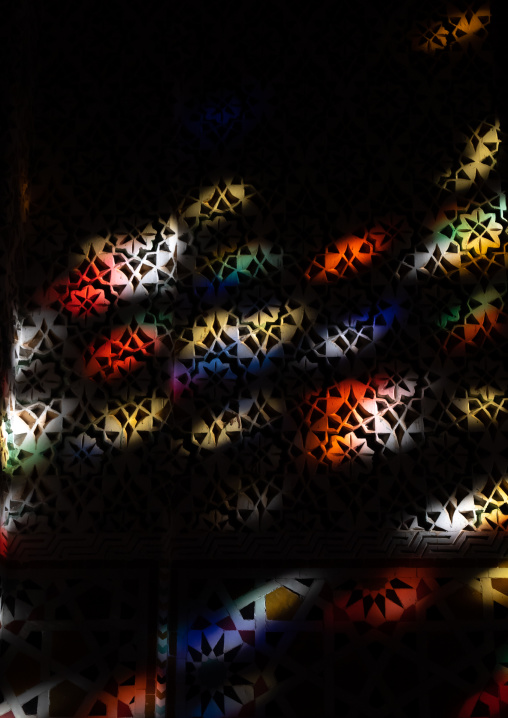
261,331
240,363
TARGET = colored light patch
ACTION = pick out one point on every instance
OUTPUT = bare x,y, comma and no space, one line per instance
446,310
29,443
215,277
115,701
222,197
214,291
486,321
215,118
4,451
470,26
351,255
352,417
391,600
81,455
485,413
115,269
214,379
4,549
258,259
492,701
475,409
441,223
282,604
222,650
467,29
491,503
82,292
450,315
4,462
344,258
215,331
220,672
216,432
460,243
179,379
223,115
429,37
128,425
226,194
490,392
334,420
34,427
479,231
392,308
28,461
343,401
478,156
347,448
86,302
124,351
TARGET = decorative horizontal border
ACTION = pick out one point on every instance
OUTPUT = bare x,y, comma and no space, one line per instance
315,546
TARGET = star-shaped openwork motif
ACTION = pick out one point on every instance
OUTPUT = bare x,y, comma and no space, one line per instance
479,231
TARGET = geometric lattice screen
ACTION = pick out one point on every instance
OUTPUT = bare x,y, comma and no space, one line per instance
361,387
350,642
258,380
301,351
